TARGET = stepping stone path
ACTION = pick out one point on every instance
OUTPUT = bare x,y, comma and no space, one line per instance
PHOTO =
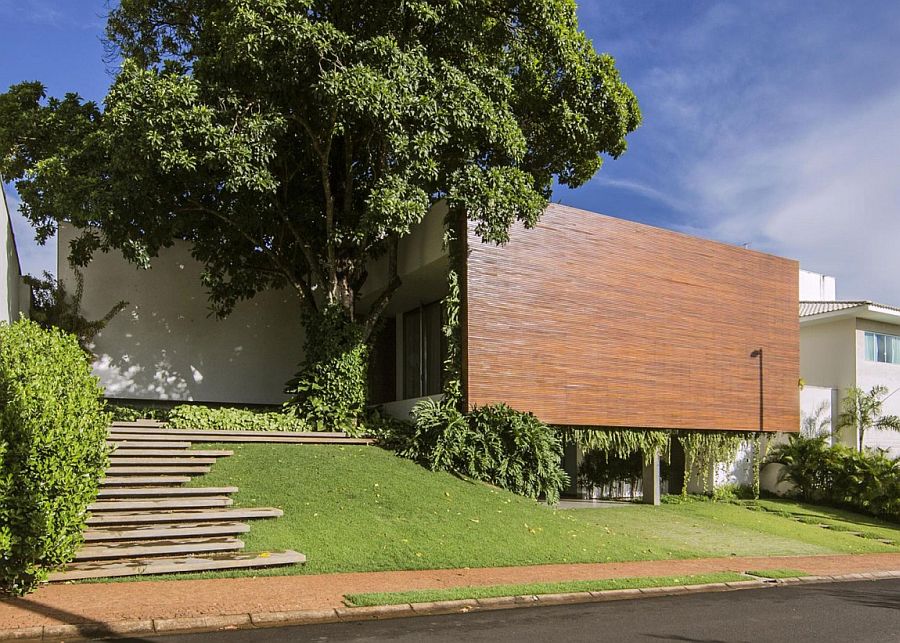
144,523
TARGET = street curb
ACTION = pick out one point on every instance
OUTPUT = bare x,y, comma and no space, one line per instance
119,629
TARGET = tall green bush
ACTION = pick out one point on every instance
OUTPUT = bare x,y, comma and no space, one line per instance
52,451
867,481
495,444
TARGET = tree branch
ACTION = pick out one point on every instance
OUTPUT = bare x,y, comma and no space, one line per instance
384,298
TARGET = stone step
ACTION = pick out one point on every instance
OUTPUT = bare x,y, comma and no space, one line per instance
155,470
170,453
162,492
174,547
135,424
179,432
117,481
181,459
155,532
185,515
153,444
150,438
148,566
161,504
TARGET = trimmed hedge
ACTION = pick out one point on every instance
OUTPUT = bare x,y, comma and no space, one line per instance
52,451
190,416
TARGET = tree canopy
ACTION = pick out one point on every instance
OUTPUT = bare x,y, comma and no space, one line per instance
290,142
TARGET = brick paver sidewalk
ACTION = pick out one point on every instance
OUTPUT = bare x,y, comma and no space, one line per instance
111,602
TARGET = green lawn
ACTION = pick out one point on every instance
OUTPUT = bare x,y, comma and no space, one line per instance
364,509
532,589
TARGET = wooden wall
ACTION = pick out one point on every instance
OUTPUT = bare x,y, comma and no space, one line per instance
596,321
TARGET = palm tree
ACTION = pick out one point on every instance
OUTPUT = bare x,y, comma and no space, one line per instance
863,411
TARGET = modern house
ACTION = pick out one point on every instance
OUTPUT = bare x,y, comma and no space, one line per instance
845,344
586,320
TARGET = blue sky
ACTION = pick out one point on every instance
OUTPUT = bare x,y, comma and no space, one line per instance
769,123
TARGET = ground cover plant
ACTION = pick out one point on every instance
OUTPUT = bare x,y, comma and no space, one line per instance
532,589
364,509
52,451
192,416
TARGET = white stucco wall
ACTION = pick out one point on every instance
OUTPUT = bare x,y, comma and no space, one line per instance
816,287
818,410
11,288
165,346
869,374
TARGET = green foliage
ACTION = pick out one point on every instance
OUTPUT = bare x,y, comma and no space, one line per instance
494,444
329,392
452,367
52,451
53,306
294,142
603,469
622,443
704,450
864,411
127,413
867,481
194,416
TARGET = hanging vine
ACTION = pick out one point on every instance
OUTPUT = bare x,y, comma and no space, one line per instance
621,443
452,375
704,450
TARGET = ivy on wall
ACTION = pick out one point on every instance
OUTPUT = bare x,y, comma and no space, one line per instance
452,375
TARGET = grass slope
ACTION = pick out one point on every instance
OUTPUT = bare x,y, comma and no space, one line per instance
532,589
364,509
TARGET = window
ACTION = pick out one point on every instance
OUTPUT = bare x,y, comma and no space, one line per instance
423,351
883,348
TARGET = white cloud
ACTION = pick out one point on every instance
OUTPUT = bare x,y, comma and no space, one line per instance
828,196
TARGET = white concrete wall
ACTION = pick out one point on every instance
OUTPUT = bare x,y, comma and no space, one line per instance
165,346
871,374
816,287
11,287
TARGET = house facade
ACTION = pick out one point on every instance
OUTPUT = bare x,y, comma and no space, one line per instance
845,344
586,320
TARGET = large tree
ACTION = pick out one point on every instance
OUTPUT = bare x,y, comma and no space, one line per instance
291,142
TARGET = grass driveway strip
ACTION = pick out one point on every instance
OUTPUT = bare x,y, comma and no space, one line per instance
536,589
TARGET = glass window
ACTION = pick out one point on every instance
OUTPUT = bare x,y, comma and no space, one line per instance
423,351
882,348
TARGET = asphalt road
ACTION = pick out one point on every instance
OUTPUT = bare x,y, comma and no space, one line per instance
847,612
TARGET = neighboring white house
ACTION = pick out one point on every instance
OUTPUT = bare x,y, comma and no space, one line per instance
845,344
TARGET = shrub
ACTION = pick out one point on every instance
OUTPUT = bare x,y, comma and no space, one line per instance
194,416
126,413
329,391
52,451
494,444
866,481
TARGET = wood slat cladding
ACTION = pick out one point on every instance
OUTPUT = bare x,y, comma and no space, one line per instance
595,321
